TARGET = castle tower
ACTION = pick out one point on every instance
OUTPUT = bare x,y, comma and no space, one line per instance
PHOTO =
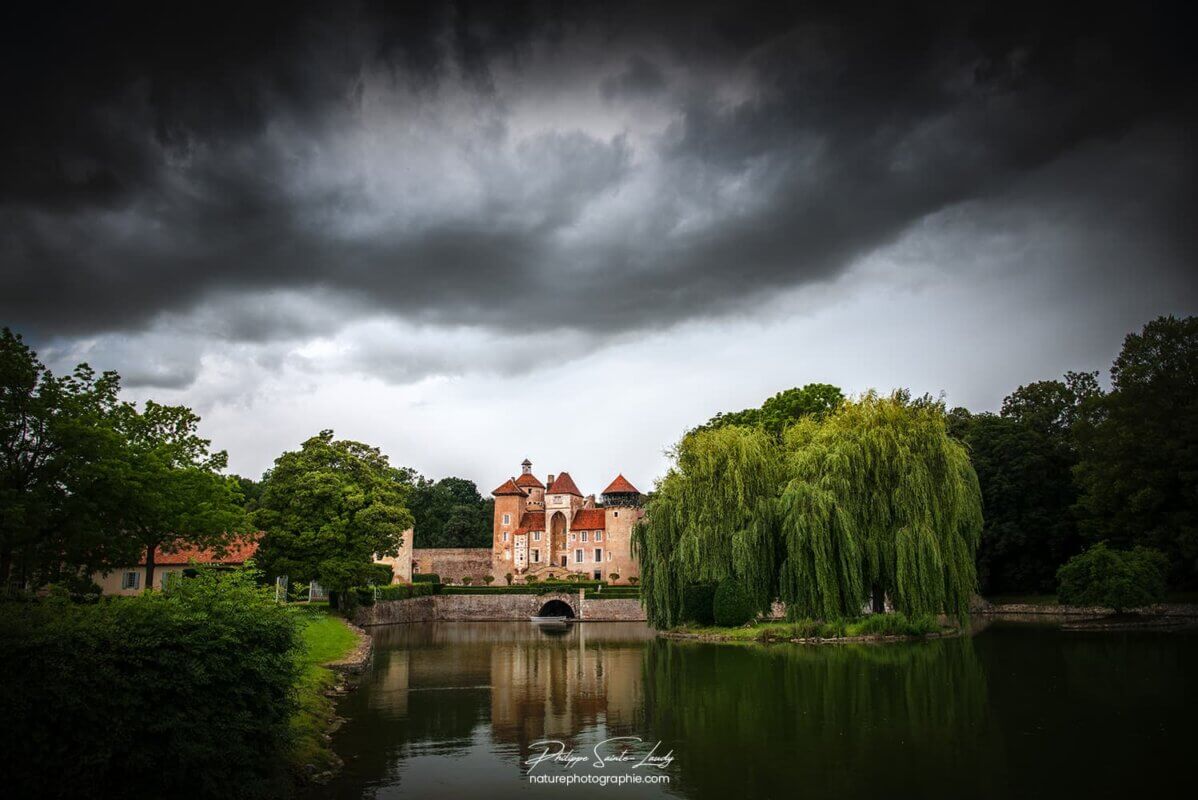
533,487
622,510
506,553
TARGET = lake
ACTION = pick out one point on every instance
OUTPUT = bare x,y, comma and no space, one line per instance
458,710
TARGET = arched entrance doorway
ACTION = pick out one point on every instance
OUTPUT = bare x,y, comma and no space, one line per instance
557,537
556,608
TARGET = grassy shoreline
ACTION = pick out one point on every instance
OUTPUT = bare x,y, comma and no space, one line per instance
327,639
874,628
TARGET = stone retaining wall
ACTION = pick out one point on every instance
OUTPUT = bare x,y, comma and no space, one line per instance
488,607
1161,610
453,563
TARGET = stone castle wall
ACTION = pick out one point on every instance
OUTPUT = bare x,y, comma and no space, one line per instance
453,563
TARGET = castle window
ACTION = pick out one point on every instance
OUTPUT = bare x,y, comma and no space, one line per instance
536,556
507,519
615,513
536,536
598,536
584,536
598,554
505,536
507,555
577,556
571,537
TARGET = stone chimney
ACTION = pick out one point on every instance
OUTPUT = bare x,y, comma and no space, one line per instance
549,482
589,502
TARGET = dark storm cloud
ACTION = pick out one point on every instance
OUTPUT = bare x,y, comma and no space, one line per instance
161,161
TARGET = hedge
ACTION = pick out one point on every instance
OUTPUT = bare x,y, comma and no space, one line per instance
532,588
365,595
426,577
184,693
731,606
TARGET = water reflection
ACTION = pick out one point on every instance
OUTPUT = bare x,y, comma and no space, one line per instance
454,709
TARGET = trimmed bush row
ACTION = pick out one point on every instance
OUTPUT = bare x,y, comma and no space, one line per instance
396,591
426,577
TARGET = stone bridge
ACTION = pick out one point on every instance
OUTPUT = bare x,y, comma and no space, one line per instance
490,607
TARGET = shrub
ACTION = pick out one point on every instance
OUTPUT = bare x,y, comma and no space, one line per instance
184,693
1118,579
634,581
488,579
507,576
426,577
615,576
698,601
532,579
731,606
365,595
380,574
466,581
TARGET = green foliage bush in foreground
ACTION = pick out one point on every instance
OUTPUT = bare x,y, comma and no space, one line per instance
1118,579
731,605
426,577
186,693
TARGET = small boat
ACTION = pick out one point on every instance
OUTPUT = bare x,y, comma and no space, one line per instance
548,620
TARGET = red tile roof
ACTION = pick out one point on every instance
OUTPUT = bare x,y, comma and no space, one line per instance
563,484
508,487
529,480
531,521
235,553
620,486
589,519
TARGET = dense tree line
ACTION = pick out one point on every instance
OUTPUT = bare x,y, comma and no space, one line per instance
1065,465
89,482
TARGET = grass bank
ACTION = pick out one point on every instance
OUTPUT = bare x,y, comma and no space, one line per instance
872,628
326,638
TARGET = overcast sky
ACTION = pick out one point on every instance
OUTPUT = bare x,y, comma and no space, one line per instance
479,232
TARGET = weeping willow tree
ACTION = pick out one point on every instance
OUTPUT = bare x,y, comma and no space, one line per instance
873,500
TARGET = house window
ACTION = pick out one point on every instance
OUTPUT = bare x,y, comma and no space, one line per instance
130,580
507,555
507,519
536,556
571,537
598,574
584,536
166,576
536,536
598,536
505,536
578,556
615,513
598,554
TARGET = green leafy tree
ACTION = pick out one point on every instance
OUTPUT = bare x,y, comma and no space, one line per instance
450,513
168,492
813,400
328,509
1138,468
57,444
873,499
